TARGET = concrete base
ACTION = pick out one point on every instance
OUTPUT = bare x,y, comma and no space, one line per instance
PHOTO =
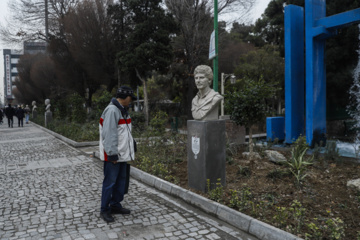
206,153
275,128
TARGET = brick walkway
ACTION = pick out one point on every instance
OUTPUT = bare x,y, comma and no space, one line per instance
49,190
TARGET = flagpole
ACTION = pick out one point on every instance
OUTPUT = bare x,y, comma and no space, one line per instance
216,58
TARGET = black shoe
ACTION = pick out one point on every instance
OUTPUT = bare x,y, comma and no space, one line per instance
116,210
107,217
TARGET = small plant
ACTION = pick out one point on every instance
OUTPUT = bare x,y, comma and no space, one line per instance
244,171
336,228
298,214
316,233
242,200
217,193
246,196
331,228
234,198
269,198
281,217
299,146
297,163
358,235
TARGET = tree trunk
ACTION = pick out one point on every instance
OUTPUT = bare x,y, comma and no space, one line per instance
146,100
251,146
279,110
146,104
190,96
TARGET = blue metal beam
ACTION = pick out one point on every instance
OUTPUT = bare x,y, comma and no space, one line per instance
315,74
339,20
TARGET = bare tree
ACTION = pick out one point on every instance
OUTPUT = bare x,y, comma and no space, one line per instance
84,51
27,19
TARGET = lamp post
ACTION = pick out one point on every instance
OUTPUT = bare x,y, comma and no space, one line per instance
223,79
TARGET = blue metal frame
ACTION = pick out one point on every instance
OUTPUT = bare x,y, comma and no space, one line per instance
318,28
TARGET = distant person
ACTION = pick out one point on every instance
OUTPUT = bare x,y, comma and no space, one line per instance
116,147
1,116
20,114
27,113
10,112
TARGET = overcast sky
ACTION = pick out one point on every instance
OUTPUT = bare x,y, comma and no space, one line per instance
256,13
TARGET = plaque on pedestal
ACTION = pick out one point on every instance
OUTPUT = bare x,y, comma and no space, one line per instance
206,153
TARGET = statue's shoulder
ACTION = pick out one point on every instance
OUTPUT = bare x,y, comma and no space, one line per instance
215,95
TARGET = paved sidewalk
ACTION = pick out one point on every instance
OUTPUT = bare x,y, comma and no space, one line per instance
50,190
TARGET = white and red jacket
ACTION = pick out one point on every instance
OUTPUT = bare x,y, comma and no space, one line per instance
116,142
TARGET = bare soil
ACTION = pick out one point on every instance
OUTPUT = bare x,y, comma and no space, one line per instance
323,194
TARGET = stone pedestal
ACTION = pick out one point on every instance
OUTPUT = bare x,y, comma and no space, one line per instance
206,151
34,114
48,118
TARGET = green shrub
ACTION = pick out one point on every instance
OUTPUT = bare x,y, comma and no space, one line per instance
216,194
158,123
78,110
138,123
99,103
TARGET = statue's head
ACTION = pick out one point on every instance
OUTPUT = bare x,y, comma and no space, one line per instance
203,76
33,103
47,101
206,70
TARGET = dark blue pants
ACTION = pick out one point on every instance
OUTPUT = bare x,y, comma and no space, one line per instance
21,122
10,121
113,185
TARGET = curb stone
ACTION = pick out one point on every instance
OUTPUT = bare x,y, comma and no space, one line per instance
237,219
65,139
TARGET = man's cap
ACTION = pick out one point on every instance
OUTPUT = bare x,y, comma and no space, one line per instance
125,91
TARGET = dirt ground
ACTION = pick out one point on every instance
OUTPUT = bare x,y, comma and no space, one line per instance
267,191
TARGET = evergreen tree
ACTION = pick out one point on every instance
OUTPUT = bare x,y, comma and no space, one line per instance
147,45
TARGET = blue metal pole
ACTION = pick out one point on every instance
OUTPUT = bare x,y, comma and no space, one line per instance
294,73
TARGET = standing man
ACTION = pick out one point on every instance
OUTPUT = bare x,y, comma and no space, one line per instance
116,147
20,114
10,112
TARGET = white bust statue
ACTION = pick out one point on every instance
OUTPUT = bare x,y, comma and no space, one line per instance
205,105
34,106
48,105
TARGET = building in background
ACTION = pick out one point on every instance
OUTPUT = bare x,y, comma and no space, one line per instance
34,47
11,59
